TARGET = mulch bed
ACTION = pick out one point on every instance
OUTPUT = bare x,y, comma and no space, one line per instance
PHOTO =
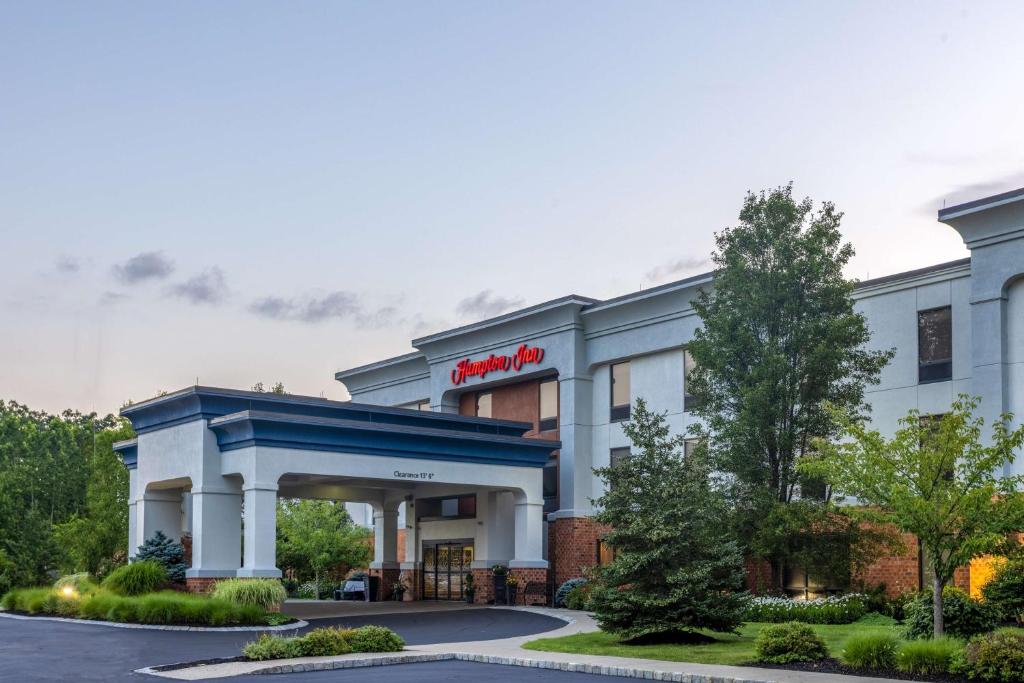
834,666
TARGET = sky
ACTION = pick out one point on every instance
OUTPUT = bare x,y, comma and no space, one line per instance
239,192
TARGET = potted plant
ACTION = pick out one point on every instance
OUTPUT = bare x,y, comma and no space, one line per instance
511,584
398,591
500,572
470,591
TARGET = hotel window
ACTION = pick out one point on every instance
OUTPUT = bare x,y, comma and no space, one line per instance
934,345
689,446
620,392
548,405
483,404
605,553
689,365
617,455
551,484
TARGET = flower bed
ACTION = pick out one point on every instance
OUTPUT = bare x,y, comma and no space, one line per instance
842,609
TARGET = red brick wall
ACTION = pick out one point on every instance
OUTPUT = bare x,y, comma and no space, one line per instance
572,547
527,576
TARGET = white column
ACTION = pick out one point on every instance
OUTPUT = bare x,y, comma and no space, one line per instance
260,537
158,510
385,537
496,538
411,543
529,546
216,532
133,524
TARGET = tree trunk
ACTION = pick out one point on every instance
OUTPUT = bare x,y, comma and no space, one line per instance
937,624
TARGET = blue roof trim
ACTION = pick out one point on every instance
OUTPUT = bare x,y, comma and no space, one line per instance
256,428
128,451
195,403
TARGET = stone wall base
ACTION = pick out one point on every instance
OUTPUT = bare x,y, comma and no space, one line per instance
388,578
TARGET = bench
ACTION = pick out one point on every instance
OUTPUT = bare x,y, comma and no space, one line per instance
536,588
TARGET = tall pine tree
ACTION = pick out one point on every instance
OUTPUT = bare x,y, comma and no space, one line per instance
676,569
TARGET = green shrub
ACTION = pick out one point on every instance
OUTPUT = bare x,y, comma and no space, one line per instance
996,657
124,611
269,646
323,642
962,616
871,651
136,578
375,639
165,552
578,598
789,642
267,594
80,583
841,609
563,591
928,657
1005,592
97,605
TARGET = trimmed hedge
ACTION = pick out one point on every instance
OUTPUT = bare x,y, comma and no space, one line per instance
844,609
166,607
267,594
788,643
324,642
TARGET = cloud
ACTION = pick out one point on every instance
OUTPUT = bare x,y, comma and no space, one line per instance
149,265
334,305
486,305
675,269
68,265
109,298
967,192
208,287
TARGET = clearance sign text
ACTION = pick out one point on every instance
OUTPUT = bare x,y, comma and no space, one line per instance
467,368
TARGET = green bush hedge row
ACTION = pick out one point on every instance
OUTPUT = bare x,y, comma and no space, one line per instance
324,642
166,607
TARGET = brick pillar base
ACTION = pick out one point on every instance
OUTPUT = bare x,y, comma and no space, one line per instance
411,579
525,576
388,577
483,586
572,547
203,584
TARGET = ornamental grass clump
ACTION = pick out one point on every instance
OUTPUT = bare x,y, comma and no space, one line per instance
929,657
267,594
871,651
137,578
788,643
841,609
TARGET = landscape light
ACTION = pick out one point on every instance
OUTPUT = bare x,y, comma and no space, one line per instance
69,591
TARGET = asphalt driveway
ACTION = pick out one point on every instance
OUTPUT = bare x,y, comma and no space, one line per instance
57,651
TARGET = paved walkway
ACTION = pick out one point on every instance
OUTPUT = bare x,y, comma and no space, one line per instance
338,609
509,651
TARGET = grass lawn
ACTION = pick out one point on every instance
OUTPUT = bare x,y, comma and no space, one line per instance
729,649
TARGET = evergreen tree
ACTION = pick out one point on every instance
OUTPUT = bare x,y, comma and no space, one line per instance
676,569
170,554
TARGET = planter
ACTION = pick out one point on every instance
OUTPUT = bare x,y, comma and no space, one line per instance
398,596
499,589
470,594
510,594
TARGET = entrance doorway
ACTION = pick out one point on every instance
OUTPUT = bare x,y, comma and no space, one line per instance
445,564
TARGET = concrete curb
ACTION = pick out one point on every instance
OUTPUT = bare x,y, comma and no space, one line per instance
158,627
254,668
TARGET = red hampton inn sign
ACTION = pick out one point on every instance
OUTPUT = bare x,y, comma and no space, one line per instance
467,368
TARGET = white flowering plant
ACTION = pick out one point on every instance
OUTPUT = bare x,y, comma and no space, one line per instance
835,609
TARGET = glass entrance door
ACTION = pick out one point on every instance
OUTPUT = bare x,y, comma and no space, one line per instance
444,566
